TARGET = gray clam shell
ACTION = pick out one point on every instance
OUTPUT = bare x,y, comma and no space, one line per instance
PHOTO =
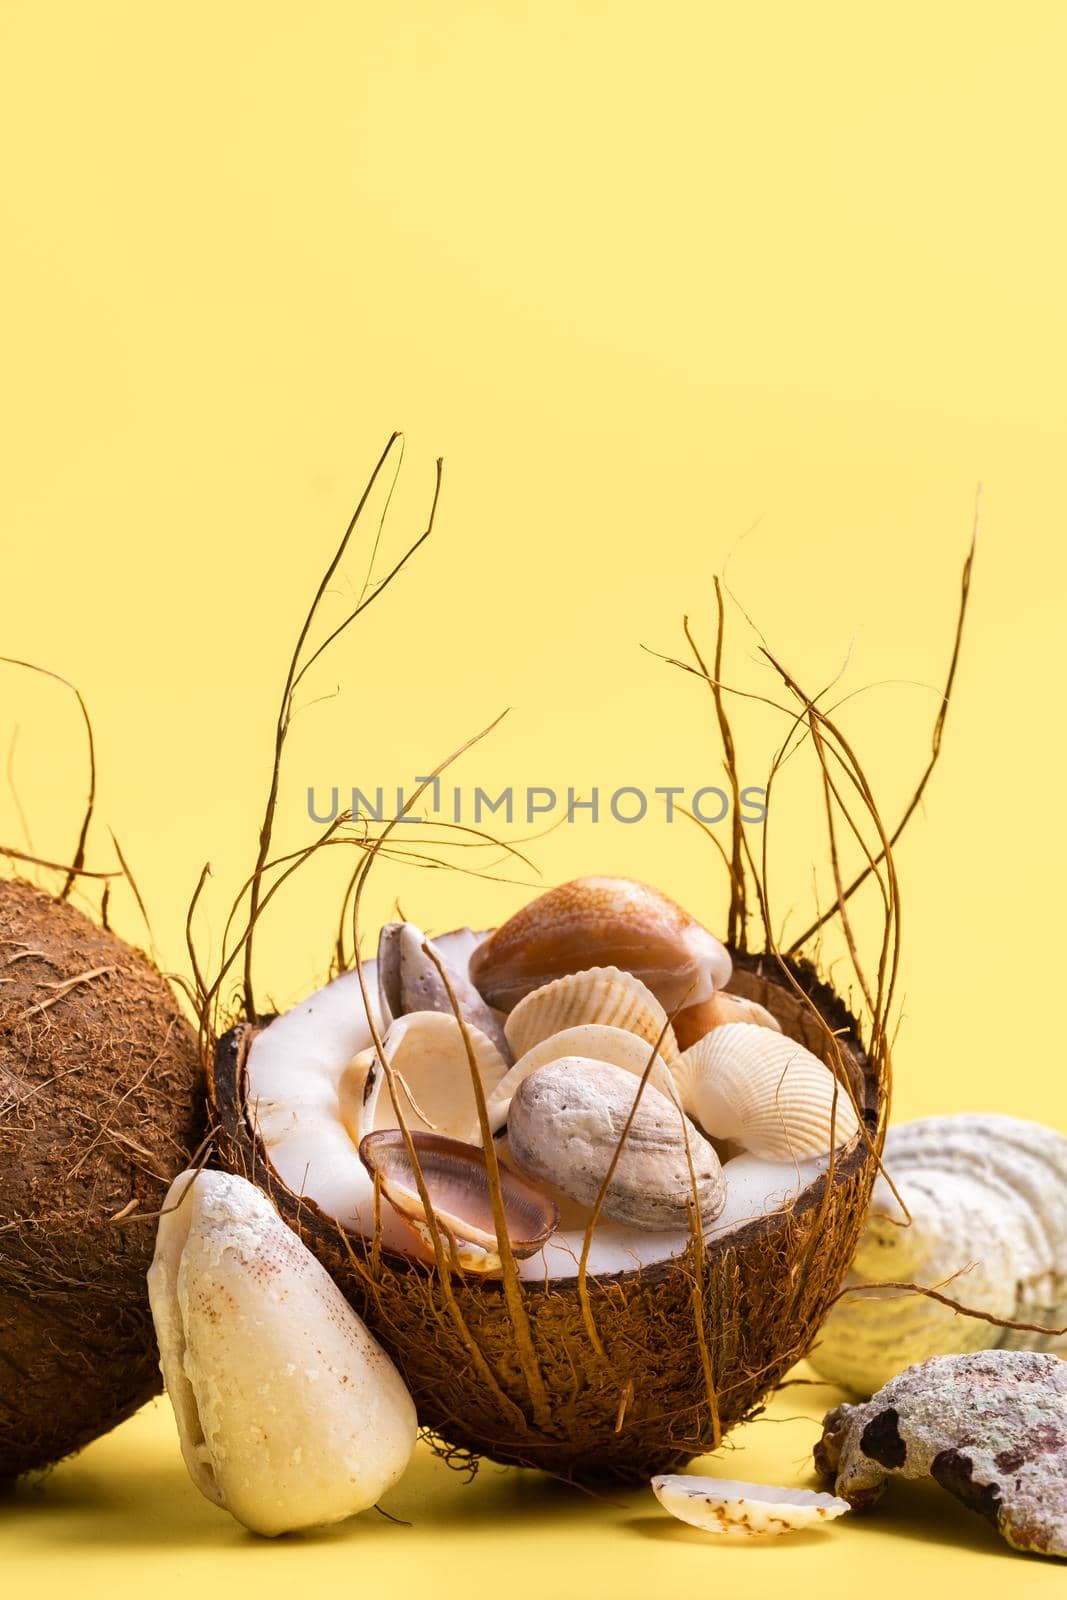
565,1124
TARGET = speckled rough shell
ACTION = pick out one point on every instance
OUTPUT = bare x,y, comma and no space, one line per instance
990,1427
602,922
775,1098
987,1199
738,1510
565,1124
289,1414
604,995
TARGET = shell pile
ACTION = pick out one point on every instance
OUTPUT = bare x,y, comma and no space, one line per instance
557,1038
987,1201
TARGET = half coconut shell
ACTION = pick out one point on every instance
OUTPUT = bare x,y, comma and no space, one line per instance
628,1397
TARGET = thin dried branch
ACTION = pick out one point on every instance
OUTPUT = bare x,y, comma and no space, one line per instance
298,668
935,741
953,1305
74,870
53,866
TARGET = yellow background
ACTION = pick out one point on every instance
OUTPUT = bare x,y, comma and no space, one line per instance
645,276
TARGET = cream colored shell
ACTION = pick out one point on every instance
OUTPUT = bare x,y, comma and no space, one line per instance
289,1413
987,1198
766,1092
602,995
431,1067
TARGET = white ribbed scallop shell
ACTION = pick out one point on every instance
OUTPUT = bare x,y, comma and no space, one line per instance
764,1090
987,1197
601,994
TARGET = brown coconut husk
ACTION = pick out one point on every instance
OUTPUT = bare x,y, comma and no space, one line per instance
101,1104
625,1375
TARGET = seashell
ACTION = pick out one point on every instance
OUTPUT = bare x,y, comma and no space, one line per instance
456,1178
290,1415
987,1198
593,1041
694,1022
601,994
742,1510
565,1124
990,1427
409,980
762,1089
573,1216
601,922
428,1055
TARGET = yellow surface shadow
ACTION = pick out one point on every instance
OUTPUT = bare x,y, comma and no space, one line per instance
126,1506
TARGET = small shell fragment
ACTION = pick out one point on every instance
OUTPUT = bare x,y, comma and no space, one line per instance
604,995
743,1510
603,922
762,1089
592,1041
456,1179
565,1126
410,980
694,1022
428,1055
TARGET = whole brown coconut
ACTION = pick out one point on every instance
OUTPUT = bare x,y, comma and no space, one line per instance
100,1107
536,1390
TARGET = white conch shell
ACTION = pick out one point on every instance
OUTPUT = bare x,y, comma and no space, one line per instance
290,1415
765,1091
600,994
987,1197
742,1510
592,1041
428,1055
565,1126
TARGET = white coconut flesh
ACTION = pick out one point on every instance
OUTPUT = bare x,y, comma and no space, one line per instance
298,1082
743,1510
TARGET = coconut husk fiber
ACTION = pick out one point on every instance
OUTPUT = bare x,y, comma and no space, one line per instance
101,1104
